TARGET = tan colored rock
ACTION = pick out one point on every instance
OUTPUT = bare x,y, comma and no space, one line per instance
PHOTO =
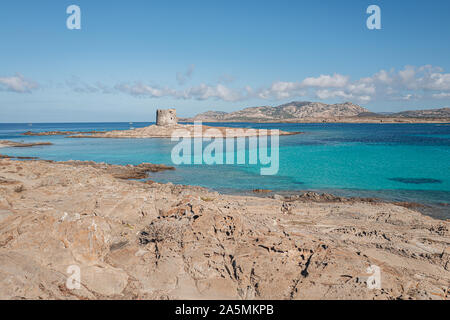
181,130
133,240
106,281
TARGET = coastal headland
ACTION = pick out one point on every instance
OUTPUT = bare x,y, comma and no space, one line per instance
157,131
135,239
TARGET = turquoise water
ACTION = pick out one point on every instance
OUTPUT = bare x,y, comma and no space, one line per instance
408,162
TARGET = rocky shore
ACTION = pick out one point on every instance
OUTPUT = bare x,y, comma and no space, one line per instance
14,144
144,240
157,131
59,133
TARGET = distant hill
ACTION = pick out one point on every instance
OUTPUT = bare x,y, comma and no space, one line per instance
288,111
433,113
305,111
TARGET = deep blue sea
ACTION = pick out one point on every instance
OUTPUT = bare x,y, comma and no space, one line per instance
401,162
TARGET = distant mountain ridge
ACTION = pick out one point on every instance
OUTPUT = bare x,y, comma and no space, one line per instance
288,111
432,113
297,111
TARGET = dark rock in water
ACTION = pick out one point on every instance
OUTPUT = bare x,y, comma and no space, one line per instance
316,197
409,205
416,180
261,191
3,156
123,172
15,144
26,158
58,133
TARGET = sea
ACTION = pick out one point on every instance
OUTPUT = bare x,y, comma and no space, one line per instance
393,162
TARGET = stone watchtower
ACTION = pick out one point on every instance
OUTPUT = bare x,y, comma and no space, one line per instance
166,117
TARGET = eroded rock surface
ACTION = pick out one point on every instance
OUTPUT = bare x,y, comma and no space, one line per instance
135,240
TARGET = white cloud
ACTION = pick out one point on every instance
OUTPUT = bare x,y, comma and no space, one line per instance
201,92
141,89
323,87
204,92
409,83
441,95
424,78
17,83
326,81
361,87
407,75
381,76
280,90
327,94
80,86
437,81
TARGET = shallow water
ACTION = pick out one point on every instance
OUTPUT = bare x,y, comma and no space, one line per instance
404,162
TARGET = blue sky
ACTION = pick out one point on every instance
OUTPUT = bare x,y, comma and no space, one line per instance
131,57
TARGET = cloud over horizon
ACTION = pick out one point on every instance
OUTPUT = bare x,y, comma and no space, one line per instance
18,84
408,84
200,92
